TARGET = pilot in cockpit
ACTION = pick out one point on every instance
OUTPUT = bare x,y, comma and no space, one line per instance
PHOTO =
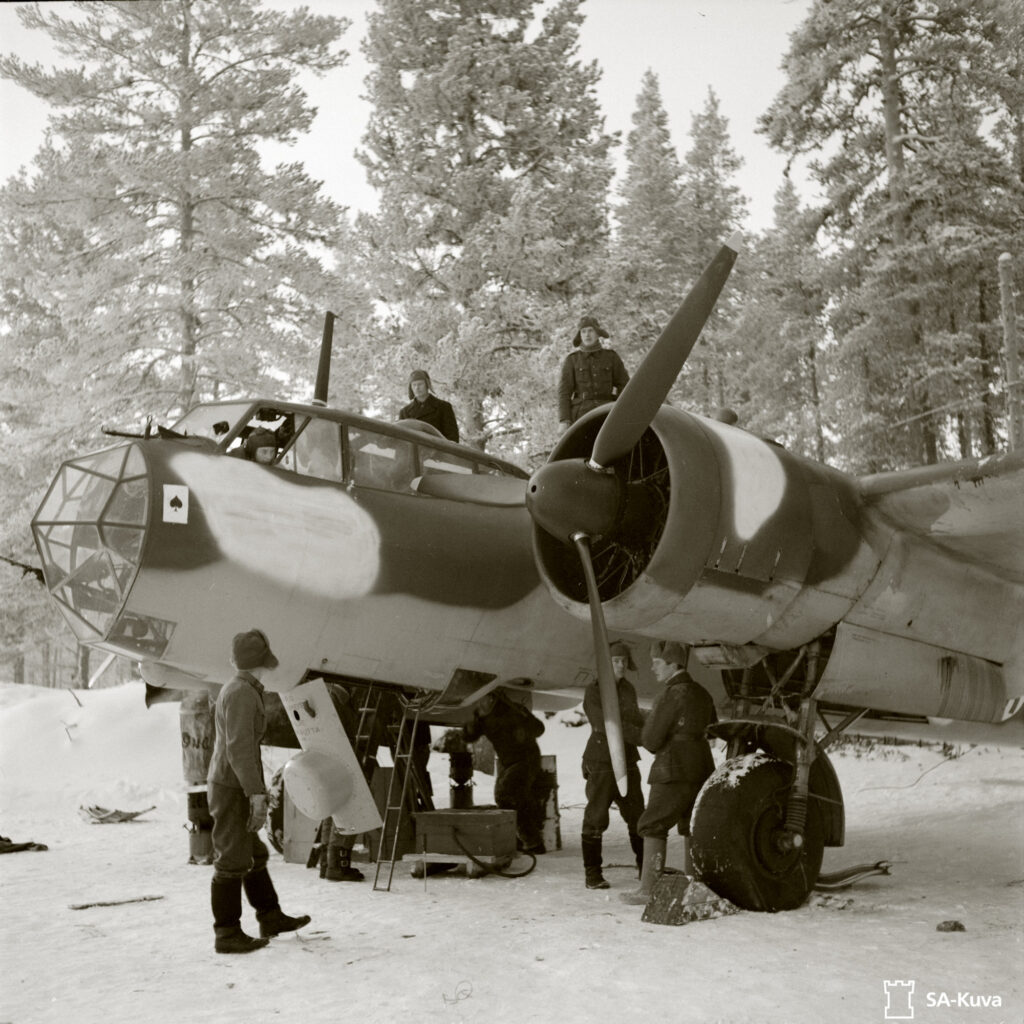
261,446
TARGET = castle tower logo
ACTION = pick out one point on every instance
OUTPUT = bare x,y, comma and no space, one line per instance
899,1000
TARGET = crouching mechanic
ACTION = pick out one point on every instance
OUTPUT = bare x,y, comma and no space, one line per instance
675,733
238,804
522,784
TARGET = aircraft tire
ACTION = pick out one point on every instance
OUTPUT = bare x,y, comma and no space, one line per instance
738,816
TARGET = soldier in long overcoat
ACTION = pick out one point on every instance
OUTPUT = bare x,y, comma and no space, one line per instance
675,732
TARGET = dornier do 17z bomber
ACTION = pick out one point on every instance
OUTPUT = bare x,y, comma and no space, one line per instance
381,554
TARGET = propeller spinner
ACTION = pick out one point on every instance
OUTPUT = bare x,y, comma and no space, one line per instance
578,501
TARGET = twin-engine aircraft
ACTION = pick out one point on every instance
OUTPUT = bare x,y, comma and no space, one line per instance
379,553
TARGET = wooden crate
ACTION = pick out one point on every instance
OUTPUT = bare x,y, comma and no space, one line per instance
482,832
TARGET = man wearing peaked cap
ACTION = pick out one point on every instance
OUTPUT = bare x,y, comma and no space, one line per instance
675,732
601,789
428,408
238,804
590,375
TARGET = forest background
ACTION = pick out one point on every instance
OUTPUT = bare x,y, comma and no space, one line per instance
149,259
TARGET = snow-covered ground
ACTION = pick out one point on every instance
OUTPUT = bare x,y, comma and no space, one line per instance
491,950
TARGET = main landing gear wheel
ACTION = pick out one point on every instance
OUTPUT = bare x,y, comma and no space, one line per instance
739,840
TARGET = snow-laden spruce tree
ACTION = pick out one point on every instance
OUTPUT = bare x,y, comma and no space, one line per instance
910,111
488,151
148,258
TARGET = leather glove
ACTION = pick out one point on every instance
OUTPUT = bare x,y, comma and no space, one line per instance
257,811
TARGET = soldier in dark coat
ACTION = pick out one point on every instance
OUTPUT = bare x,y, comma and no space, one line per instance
427,407
601,789
591,375
522,784
238,804
675,733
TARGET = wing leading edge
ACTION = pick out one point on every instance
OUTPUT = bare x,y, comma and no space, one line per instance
974,509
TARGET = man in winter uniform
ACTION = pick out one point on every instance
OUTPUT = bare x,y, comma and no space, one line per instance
427,407
522,785
238,804
591,375
601,789
675,733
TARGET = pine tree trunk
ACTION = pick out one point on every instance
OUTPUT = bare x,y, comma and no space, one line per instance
987,358
922,431
819,431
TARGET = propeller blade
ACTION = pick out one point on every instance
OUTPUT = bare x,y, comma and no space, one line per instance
605,672
643,396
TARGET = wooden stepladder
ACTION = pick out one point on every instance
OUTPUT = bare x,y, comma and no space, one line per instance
369,705
399,792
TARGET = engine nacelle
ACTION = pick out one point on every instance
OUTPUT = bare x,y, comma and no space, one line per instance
748,544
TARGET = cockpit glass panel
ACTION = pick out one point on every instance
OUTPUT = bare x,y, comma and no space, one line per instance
265,433
75,495
214,421
83,629
109,463
317,451
128,502
378,460
55,546
123,542
137,634
93,591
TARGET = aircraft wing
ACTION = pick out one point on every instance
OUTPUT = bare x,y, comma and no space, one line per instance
973,509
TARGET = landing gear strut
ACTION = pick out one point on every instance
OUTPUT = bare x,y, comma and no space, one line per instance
763,819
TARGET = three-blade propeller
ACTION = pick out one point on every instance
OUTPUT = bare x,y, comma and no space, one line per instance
578,502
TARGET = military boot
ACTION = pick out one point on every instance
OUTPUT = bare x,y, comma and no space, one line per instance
654,862
259,890
226,902
234,940
339,866
592,860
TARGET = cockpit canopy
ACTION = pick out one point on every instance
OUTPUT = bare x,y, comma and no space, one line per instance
338,447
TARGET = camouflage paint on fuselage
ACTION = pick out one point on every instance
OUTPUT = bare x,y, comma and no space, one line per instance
326,537
395,587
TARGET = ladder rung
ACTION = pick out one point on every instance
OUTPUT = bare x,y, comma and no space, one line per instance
404,738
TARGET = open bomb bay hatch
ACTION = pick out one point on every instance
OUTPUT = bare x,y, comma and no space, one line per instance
90,530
